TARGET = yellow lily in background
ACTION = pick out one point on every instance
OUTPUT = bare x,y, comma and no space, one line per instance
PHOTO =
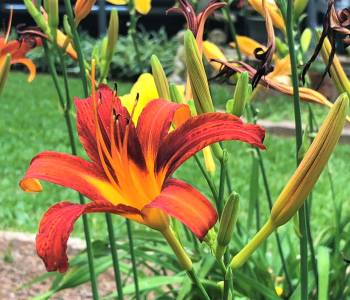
274,11
142,6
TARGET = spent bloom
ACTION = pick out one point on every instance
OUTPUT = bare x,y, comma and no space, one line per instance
129,168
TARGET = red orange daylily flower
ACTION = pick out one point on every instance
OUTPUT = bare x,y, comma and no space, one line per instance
18,49
130,168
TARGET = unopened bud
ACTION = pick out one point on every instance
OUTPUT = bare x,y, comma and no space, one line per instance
197,76
82,9
241,96
301,183
160,78
175,95
52,10
299,7
305,39
5,64
228,220
37,16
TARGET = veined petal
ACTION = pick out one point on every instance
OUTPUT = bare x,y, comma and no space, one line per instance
72,172
29,64
57,224
201,131
185,203
154,124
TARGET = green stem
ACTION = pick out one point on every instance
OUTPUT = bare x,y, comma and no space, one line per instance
208,179
67,117
114,252
298,137
133,260
242,256
133,33
231,26
184,260
223,167
77,46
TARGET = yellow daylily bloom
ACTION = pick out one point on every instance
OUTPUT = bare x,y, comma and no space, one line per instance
211,51
144,90
142,6
274,11
247,45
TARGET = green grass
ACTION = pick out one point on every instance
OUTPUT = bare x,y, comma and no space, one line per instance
30,122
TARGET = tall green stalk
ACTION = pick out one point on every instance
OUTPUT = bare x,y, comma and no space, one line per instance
231,26
83,76
133,33
65,106
298,138
133,260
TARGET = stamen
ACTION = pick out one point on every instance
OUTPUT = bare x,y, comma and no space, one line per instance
9,25
101,146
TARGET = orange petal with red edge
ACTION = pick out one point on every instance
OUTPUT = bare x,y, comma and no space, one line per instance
185,203
57,224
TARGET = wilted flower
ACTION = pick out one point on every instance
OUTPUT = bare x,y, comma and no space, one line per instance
333,22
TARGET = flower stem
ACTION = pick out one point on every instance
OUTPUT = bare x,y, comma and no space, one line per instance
242,256
67,117
223,173
231,26
114,252
133,33
133,260
184,260
298,138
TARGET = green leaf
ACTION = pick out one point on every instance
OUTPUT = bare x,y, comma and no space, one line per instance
323,262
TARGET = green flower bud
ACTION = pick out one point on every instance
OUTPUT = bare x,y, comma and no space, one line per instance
305,39
66,26
175,95
160,78
37,16
228,220
299,7
197,75
242,94
52,10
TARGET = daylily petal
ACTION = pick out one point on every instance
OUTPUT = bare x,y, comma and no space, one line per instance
247,45
154,124
145,89
201,131
29,64
109,107
211,51
57,224
72,172
142,6
185,203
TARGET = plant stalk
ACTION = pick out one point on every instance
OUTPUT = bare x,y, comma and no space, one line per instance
298,139
133,260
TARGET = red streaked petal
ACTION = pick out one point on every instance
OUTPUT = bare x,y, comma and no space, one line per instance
201,131
69,171
154,123
185,203
57,224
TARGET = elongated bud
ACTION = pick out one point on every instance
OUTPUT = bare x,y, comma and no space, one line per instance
82,8
67,28
51,7
160,78
242,94
37,16
299,186
197,76
175,95
299,7
339,77
227,223
199,82
113,33
303,180
5,64
305,39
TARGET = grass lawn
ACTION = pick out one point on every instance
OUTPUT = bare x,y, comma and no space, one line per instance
30,122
